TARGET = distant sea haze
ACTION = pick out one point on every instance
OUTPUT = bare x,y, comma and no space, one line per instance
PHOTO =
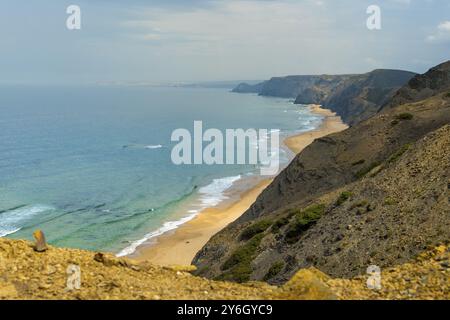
91,166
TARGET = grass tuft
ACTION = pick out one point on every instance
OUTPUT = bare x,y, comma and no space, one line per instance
343,197
239,263
364,171
279,224
394,157
274,270
303,221
255,228
404,116
356,163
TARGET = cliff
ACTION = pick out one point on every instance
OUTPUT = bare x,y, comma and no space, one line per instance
376,193
249,88
353,97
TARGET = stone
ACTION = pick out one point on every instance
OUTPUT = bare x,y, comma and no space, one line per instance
308,284
40,244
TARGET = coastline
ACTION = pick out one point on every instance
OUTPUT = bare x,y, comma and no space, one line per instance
330,124
178,247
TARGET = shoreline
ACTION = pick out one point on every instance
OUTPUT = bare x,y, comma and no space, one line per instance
331,123
179,246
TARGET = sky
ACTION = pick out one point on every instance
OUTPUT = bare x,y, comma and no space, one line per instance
204,40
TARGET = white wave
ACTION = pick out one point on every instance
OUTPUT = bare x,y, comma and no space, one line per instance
210,196
156,146
213,194
12,221
167,226
4,231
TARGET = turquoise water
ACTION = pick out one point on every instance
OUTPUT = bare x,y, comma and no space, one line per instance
91,165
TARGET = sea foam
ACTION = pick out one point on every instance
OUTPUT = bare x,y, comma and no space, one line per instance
157,146
13,220
209,196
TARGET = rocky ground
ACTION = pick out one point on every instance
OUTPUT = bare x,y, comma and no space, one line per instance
28,274
428,277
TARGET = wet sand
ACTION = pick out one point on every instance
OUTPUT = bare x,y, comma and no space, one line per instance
178,247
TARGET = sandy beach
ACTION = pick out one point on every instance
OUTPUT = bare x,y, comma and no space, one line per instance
331,124
179,247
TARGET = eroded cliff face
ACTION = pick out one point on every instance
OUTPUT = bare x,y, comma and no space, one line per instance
377,193
353,97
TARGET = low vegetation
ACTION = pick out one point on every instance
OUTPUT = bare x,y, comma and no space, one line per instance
274,270
255,228
394,157
343,197
239,263
390,201
364,171
356,163
279,224
303,221
404,116
359,204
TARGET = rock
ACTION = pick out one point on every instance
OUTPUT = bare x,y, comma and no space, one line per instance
40,244
308,284
106,260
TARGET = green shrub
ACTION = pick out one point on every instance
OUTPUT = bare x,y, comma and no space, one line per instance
394,157
344,196
254,229
447,95
390,202
360,204
274,270
292,212
356,163
361,173
404,116
240,273
244,253
279,224
303,221
239,263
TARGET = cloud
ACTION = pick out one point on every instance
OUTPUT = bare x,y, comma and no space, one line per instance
230,22
197,40
442,33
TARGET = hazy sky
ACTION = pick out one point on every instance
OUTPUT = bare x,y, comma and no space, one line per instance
158,41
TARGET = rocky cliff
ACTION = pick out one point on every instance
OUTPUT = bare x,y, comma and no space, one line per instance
377,193
353,97
249,88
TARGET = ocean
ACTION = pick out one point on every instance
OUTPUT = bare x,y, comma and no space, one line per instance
91,165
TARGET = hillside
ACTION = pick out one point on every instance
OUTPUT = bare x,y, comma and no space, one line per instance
26,274
353,97
376,193
421,87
